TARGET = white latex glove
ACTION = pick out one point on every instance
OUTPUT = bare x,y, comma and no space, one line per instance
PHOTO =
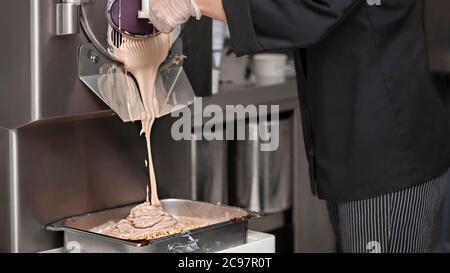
166,15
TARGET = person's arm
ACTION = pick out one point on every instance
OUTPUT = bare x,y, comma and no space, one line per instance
260,25
212,9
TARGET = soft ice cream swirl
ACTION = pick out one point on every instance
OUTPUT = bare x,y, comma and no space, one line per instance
142,57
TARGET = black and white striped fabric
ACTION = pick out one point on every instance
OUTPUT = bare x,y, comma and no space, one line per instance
399,222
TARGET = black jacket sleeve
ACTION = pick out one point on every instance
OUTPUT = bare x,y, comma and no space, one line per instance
260,25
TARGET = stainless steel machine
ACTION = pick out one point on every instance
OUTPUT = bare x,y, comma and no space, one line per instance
63,151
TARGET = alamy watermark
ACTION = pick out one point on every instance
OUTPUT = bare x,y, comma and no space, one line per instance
374,2
232,122
373,247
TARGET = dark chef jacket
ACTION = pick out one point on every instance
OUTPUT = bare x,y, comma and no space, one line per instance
373,121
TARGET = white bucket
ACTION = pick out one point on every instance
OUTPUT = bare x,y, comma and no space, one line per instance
269,69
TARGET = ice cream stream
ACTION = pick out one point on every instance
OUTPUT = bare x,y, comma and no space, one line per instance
143,58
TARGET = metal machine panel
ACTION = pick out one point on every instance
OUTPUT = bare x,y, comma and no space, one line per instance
91,165
39,69
15,68
5,226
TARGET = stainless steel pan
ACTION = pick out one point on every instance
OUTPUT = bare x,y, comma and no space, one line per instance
231,231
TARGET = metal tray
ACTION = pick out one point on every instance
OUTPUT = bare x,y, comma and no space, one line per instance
230,232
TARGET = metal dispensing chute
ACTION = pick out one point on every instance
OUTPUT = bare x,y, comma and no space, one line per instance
105,22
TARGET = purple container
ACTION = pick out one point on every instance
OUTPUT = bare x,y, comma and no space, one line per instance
123,17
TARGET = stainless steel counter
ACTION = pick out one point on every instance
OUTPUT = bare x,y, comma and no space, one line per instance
284,95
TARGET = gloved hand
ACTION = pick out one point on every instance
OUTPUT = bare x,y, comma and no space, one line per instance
166,15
